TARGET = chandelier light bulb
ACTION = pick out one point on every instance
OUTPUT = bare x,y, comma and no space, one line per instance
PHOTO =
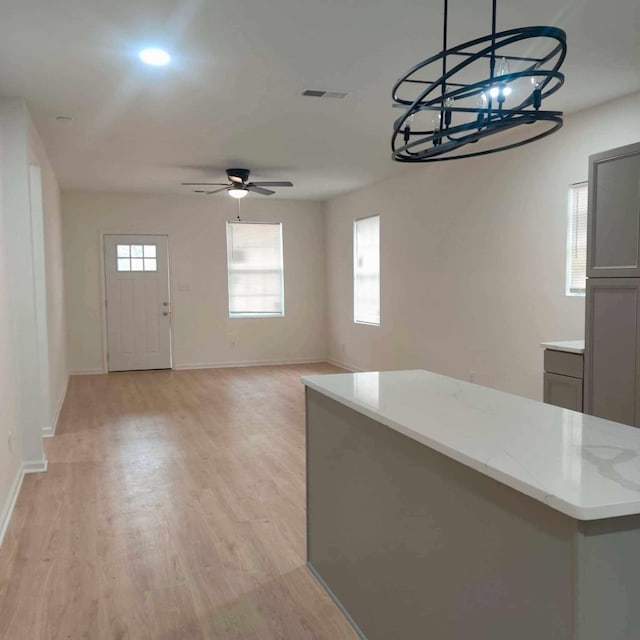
435,121
482,104
503,68
448,103
503,91
408,124
496,92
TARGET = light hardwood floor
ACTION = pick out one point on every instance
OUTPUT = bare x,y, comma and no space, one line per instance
173,508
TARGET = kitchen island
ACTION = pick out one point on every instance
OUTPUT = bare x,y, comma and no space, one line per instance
443,510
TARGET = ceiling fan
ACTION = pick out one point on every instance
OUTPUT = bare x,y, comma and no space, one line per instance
238,185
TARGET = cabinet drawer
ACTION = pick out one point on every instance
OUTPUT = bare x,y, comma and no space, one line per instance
563,391
563,363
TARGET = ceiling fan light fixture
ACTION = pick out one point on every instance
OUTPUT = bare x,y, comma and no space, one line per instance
239,185
238,192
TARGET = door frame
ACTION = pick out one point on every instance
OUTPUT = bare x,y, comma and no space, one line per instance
36,210
103,291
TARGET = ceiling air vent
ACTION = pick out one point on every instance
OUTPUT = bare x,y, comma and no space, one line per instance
316,93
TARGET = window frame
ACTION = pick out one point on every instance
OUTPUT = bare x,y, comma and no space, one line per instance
570,239
255,314
355,257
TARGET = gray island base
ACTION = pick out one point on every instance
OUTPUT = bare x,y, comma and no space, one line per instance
412,543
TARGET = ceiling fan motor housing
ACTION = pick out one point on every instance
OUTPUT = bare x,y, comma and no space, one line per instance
243,174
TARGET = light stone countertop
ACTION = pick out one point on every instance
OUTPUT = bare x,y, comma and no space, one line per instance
570,346
585,467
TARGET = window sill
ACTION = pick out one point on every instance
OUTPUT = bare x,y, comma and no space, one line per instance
256,315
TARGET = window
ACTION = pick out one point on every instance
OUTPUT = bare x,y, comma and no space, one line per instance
577,240
255,272
137,257
366,270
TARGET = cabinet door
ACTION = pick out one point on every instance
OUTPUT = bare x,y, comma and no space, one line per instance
612,357
613,245
563,391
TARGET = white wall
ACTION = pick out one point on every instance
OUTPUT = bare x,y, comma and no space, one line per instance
16,220
473,258
10,458
30,280
202,331
58,373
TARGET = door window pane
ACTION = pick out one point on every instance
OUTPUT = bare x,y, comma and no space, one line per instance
130,257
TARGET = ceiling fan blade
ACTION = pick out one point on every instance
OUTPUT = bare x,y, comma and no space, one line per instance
208,193
204,184
264,192
273,184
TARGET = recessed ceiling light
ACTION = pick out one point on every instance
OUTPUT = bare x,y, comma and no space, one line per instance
155,57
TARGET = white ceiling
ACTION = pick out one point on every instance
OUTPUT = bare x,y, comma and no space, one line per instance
231,96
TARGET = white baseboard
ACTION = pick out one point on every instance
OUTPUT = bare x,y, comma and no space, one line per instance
36,466
186,366
246,363
5,516
50,431
86,372
343,365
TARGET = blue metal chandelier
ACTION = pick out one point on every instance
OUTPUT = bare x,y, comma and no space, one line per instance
486,87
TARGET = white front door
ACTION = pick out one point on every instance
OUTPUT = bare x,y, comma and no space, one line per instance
138,304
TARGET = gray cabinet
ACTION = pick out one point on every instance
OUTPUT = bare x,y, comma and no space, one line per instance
563,379
563,391
613,243
612,356
612,340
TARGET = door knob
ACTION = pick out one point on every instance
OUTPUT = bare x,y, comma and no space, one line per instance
165,304
165,313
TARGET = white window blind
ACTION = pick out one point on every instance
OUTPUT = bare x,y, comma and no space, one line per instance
255,271
366,270
577,239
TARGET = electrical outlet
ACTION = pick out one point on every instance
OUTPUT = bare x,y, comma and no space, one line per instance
233,344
